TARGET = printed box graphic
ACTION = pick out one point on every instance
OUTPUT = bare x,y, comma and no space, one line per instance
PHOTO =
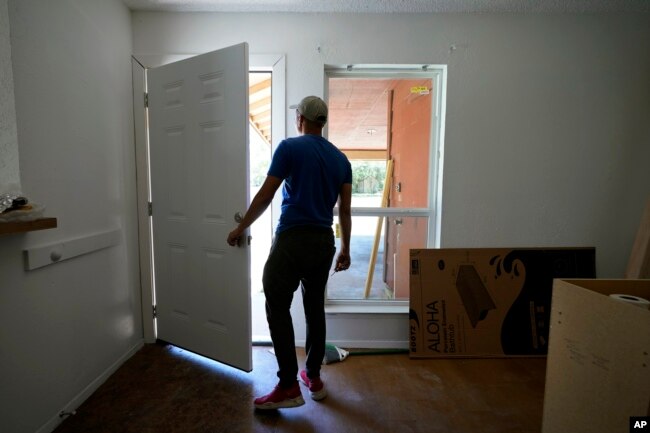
482,302
474,295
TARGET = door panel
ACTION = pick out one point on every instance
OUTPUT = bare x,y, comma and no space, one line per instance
198,111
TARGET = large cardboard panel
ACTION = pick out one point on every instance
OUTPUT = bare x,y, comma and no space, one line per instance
598,365
484,302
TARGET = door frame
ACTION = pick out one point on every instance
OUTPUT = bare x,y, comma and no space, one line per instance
274,63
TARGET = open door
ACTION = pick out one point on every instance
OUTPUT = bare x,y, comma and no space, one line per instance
198,127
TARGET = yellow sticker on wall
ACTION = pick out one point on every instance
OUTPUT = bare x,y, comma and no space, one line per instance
422,90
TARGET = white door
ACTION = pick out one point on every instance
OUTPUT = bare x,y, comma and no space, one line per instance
198,114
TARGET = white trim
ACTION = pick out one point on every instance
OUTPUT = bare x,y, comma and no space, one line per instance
143,198
334,307
437,157
73,404
379,330
387,70
348,344
44,255
388,211
369,344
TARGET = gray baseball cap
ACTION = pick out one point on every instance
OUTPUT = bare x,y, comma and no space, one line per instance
313,108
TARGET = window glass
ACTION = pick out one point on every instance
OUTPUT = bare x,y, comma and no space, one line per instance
380,252
383,124
374,120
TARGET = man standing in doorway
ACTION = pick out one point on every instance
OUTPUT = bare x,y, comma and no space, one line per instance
316,176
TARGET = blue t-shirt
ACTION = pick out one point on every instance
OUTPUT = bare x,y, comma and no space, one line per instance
313,170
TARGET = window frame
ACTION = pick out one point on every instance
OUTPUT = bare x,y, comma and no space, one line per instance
438,76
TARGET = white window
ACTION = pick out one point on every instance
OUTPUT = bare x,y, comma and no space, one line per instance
388,120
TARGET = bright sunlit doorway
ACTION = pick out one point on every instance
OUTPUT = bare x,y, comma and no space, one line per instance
260,151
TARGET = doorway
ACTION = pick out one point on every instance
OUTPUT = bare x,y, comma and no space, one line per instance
260,151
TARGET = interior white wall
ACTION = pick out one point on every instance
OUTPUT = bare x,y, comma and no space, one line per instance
64,327
9,172
546,136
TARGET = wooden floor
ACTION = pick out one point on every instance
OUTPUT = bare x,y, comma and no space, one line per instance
164,389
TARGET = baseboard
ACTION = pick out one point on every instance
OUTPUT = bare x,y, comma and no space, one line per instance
363,344
73,404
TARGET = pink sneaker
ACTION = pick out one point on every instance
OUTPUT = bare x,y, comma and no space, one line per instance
316,387
281,398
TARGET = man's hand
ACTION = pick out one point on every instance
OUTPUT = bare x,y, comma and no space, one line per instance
342,262
260,202
234,237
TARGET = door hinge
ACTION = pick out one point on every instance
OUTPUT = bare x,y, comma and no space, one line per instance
146,100
155,313
150,208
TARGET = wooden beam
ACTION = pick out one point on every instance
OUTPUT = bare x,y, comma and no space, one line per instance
380,222
263,116
365,154
264,102
265,137
258,87
263,125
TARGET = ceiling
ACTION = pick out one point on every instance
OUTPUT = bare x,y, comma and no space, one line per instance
259,103
358,113
390,6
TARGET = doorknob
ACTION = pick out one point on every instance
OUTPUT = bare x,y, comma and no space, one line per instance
238,217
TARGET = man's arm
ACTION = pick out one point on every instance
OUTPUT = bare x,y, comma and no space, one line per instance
345,220
260,202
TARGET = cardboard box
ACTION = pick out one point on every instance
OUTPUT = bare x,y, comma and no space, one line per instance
484,302
598,364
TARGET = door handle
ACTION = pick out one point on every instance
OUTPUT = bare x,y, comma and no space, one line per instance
238,219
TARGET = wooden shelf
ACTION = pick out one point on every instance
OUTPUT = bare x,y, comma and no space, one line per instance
27,226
